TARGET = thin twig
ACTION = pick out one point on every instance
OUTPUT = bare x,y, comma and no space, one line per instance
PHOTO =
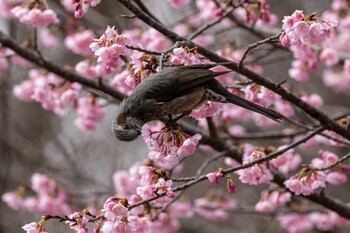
167,205
255,45
342,159
143,50
208,161
209,25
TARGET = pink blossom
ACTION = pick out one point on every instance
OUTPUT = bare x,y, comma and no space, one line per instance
284,39
114,207
145,192
298,71
31,204
215,208
24,91
314,100
166,223
214,177
231,162
270,200
329,56
204,40
313,31
54,205
48,37
33,228
328,141
20,61
46,88
167,146
90,70
35,17
208,10
181,56
147,174
124,183
189,146
335,175
338,81
42,184
231,186
286,162
256,174
177,4
154,40
119,82
237,130
266,17
79,42
6,7
108,48
284,107
80,6
182,209
306,182
295,223
163,186
89,113
339,4
13,199
336,178
79,222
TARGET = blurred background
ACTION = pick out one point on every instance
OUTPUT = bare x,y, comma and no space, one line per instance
34,140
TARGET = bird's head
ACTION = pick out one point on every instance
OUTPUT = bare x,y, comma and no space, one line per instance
124,126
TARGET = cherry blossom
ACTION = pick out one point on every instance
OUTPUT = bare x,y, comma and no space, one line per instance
33,228
35,14
79,42
295,223
177,4
214,206
256,174
306,181
13,200
90,112
166,147
270,200
108,48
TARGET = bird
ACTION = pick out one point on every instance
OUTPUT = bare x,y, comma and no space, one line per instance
175,91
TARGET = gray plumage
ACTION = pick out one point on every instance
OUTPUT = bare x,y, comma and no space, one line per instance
175,91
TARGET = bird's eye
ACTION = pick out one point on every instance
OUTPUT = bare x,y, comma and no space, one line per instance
125,127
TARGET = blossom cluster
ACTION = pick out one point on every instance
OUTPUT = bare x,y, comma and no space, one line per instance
80,5
35,14
168,146
313,177
214,206
271,199
59,96
305,33
49,197
141,182
108,48
321,220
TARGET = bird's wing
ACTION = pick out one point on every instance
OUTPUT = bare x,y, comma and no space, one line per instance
174,82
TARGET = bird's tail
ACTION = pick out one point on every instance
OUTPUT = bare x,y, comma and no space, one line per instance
234,99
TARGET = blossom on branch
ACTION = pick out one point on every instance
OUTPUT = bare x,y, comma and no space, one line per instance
35,13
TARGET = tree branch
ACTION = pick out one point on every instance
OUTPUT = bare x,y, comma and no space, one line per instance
69,75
